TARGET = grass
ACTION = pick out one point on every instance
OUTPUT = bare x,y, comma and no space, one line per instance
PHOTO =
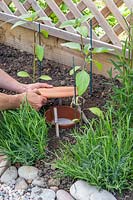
103,152
23,135
102,155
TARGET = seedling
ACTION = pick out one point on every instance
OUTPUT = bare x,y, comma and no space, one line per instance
38,50
82,76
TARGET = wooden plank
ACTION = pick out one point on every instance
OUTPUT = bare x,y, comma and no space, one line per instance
4,7
118,30
103,23
113,8
19,6
7,2
22,38
48,10
26,6
59,33
77,14
59,13
129,4
105,11
36,7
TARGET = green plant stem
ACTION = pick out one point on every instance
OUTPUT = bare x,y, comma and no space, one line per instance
82,43
34,59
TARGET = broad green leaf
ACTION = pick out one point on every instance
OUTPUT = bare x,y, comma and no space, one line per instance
19,23
72,45
96,111
82,81
86,49
44,33
98,65
101,50
82,30
43,19
45,77
39,52
67,23
30,16
75,69
84,18
23,74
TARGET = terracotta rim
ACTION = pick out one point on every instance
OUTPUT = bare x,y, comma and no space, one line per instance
57,92
63,112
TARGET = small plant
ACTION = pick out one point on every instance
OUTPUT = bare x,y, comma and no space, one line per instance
23,135
102,154
123,95
38,50
82,77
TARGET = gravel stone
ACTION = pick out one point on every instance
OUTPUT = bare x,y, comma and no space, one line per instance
21,184
54,182
9,175
42,194
102,195
63,195
28,172
39,181
4,164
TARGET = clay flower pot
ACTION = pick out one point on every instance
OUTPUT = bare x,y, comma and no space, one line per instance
57,92
66,116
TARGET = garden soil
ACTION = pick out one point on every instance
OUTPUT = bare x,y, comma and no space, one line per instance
13,61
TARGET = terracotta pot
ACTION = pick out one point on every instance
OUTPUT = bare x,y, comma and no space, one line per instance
57,92
66,116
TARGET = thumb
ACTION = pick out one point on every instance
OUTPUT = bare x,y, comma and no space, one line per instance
37,91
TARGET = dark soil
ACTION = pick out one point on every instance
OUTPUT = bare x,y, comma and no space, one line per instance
13,61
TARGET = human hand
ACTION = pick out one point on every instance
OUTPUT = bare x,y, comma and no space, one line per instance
34,98
33,86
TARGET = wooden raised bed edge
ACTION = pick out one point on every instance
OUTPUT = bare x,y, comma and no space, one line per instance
22,38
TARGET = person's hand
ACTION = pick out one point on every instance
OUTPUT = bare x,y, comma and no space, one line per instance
29,87
34,98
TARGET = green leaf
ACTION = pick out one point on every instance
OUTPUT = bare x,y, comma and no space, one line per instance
67,23
30,16
45,77
101,50
96,111
23,74
19,23
88,59
82,30
43,19
98,65
84,18
44,33
86,49
110,72
72,45
39,52
75,69
82,81
76,120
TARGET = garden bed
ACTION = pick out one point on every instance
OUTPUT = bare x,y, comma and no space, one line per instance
12,61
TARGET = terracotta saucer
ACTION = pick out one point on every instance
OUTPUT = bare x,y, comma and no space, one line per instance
58,92
66,116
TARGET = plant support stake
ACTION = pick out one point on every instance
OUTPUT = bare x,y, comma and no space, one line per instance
91,57
56,122
74,77
39,62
